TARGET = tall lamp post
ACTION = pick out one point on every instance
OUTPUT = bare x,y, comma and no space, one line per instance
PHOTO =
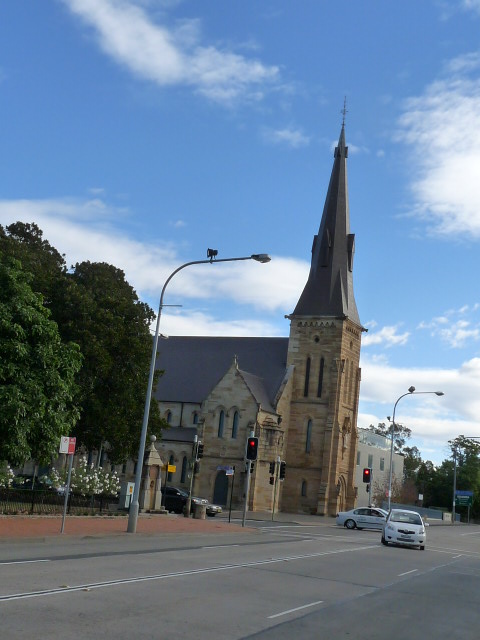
411,392
211,259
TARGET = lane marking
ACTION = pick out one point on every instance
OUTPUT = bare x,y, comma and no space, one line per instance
407,572
22,562
305,606
175,574
221,546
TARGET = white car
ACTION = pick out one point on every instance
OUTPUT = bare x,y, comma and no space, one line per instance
362,518
404,527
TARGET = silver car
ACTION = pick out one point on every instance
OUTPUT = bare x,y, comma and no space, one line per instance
404,527
362,518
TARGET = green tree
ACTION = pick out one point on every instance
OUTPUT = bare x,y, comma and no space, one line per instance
37,372
103,314
95,307
402,434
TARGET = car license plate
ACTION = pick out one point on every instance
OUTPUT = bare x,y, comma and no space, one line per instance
405,538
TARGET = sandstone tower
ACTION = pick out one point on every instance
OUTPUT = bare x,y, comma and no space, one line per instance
324,350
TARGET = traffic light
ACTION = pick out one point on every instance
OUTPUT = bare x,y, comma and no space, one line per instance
272,469
200,450
283,467
368,488
272,480
252,467
252,448
367,474
196,467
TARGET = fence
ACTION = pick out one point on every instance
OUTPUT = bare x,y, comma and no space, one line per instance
39,501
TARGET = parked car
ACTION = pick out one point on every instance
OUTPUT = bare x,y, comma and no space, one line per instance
175,499
405,528
362,518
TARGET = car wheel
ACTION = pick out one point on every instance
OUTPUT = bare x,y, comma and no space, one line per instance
384,542
350,524
422,547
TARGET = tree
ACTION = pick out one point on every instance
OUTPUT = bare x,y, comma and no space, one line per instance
401,434
103,314
95,307
37,372
411,462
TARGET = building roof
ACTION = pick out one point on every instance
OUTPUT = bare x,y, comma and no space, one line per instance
329,289
194,365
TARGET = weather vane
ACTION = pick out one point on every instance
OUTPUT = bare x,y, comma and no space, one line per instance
344,110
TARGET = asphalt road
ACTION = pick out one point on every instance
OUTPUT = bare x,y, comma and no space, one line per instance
285,580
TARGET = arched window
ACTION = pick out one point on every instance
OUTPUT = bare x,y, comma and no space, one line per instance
304,488
320,378
308,441
307,377
195,418
168,417
184,469
221,423
171,460
235,424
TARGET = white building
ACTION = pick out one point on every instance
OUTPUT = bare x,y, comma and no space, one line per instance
374,452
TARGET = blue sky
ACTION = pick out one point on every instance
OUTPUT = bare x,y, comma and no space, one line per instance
142,132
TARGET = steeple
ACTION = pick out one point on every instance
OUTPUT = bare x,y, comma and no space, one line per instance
329,289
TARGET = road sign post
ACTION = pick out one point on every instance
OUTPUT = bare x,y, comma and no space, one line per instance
67,445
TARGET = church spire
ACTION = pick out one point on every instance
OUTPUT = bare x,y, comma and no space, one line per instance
329,289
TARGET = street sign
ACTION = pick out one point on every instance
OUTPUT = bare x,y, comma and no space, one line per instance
67,445
463,498
229,470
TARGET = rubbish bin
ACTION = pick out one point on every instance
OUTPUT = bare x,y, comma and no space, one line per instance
200,511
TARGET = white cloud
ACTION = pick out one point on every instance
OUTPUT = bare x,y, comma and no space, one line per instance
454,328
172,56
442,128
291,137
433,420
84,230
387,336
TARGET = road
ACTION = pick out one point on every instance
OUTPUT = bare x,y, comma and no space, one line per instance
282,581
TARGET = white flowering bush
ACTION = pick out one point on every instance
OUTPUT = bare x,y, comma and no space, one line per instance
6,475
87,480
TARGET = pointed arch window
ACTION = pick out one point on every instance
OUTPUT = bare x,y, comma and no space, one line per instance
235,424
304,488
184,469
307,377
221,423
195,418
320,378
308,440
345,379
168,417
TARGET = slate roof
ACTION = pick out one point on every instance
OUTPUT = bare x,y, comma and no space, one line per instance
194,365
329,289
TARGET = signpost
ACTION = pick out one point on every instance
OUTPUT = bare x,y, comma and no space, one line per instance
67,445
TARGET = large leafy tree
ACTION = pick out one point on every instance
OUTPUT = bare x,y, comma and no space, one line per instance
37,372
95,307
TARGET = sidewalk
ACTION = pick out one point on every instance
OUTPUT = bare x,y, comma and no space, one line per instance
13,527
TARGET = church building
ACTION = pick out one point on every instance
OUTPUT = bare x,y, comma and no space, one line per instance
298,395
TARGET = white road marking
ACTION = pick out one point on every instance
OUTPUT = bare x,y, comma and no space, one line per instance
221,546
23,562
407,572
176,574
305,606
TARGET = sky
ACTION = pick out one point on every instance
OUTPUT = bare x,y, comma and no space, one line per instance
143,132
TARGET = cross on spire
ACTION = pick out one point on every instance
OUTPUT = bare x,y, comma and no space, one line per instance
344,111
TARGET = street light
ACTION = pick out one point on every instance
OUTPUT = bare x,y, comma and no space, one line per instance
411,392
211,259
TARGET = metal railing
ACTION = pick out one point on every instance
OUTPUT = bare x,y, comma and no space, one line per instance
49,502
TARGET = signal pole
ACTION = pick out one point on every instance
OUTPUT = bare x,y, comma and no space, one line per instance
247,479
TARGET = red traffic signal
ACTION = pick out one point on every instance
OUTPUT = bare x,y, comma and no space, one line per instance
252,448
367,474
